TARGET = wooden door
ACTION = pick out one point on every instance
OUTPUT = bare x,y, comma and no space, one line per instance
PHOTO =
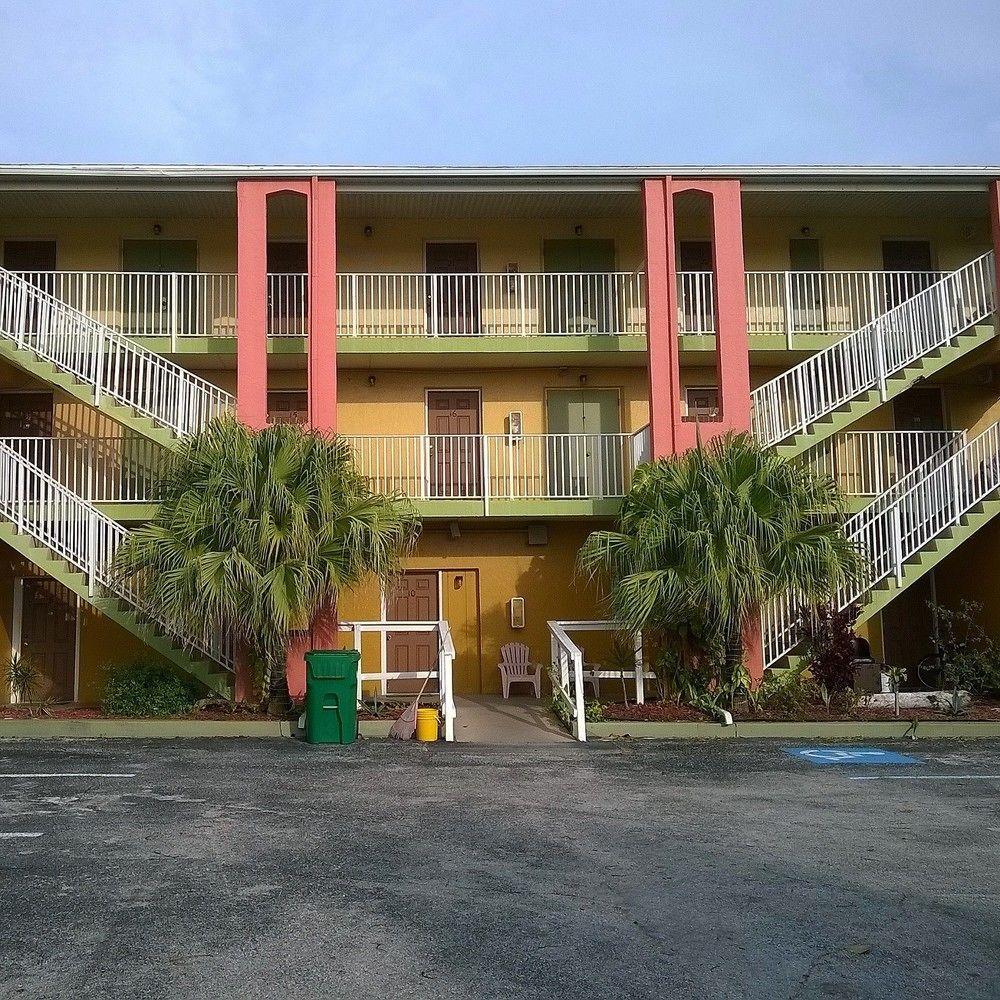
454,447
287,292
34,260
581,299
414,598
48,636
581,461
30,415
805,259
453,288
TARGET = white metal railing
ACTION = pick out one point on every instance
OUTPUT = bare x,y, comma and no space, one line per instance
867,463
570,670
897,525
109,363
826,302
100,470
74,530
490,304
498,466
863,361
443,672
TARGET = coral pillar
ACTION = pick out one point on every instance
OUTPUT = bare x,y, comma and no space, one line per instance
661,318
251,303
323,306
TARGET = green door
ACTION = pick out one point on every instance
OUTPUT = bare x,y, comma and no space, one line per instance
579,297
152,300
582,461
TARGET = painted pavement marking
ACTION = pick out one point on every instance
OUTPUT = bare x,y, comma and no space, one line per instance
925,777
65,774
16,836
822,756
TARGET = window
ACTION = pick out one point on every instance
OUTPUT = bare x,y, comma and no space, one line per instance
701,403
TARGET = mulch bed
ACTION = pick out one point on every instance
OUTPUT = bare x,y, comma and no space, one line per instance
59,712
981,710
384,715
651,711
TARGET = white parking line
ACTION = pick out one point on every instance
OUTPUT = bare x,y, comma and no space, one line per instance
926,777
65,774
13,836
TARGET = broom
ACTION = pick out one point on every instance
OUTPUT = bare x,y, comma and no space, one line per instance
406,725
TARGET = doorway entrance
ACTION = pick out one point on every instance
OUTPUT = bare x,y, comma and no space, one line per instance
582,301
287,287
581,461
147,299
45,629
452,288
415,597
454,453
906,255
805,258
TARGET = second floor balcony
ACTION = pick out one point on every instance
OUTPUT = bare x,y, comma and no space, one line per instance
176,308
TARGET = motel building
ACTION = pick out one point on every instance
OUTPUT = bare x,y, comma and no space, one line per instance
505,347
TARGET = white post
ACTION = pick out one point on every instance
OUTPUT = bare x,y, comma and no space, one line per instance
640,674
896,527
91,552
788,309
356,643
434,304
880,360
581,716
485,471
172,305
800,388
98,367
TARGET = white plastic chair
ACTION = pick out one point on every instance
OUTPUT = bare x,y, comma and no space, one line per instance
515,667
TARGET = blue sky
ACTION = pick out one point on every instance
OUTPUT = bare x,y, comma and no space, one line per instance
539,82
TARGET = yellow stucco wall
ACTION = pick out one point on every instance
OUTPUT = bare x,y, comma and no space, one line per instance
486,567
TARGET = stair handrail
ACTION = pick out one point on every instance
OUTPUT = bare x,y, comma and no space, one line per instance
110,363
862,361
890,530
76,531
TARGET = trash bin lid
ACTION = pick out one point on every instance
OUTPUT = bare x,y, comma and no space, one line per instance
331,664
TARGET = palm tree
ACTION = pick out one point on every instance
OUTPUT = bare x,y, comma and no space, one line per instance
256,532
706,538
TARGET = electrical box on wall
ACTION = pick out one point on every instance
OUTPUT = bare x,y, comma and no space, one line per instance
517,612
515,424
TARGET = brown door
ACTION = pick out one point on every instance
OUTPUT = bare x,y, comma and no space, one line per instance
414,598
48,636
906,255
453,289
26,414
287,292
806,259
33,260
919,410
454,452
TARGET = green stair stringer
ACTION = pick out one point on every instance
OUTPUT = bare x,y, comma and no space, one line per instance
844,416
204,671
46,371
942,545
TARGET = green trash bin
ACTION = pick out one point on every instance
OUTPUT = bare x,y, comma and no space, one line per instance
332,695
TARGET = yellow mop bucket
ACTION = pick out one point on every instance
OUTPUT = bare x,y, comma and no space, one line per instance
427,725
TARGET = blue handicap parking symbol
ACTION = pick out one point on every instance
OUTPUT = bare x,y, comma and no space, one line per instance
849,755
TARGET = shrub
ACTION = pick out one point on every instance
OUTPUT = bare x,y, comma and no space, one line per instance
830,645
969,658
145,690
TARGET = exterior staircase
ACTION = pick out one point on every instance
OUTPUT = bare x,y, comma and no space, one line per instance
66,348
75,543
53,526
915,339
907,531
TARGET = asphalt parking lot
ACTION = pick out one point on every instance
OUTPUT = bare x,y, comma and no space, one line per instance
240,868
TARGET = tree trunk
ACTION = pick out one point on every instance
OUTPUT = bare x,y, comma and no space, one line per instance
734,658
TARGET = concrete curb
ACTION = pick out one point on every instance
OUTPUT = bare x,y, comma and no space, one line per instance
163,729
794,730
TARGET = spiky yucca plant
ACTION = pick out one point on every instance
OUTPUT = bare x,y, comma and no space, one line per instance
256,532
706,538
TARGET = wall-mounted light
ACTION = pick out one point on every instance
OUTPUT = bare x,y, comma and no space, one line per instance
583,378
371,379
369,231
806,231
157,229
578,230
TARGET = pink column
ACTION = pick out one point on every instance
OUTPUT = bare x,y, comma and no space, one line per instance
661,318
251,303
323,306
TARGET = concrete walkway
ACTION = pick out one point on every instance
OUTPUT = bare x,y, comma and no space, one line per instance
514,721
